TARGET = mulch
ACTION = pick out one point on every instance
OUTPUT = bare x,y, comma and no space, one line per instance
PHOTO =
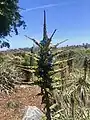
11,106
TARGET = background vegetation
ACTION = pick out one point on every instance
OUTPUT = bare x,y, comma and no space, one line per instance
71,87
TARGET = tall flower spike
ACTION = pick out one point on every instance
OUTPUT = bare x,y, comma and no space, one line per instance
45,37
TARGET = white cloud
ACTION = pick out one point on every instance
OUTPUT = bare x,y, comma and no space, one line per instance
41,7
46,6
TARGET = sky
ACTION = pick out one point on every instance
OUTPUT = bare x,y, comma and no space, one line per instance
71,18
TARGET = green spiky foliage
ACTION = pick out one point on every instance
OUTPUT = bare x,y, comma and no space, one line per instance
44,67
8,74
28,61
73,98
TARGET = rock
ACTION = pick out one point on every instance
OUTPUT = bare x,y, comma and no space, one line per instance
32,113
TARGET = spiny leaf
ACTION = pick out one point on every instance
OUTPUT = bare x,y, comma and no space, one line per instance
60,43
33,40
27,67
63,61
56,71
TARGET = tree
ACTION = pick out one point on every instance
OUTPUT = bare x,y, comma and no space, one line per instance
10,18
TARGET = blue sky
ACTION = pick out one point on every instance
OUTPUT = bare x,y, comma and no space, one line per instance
71,18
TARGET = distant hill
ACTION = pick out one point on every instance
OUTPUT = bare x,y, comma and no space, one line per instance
27,49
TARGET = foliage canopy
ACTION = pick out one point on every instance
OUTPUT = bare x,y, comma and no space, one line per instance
10,18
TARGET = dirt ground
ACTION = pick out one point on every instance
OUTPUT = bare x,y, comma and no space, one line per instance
11,106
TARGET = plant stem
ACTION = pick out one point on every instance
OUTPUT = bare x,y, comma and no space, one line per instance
47,102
